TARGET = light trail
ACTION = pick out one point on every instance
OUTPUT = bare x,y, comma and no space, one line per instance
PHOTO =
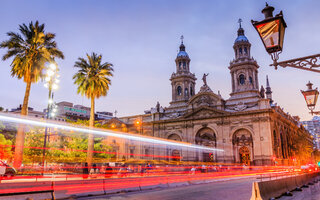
20,120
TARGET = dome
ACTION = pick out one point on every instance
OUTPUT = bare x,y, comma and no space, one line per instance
182,54
241,38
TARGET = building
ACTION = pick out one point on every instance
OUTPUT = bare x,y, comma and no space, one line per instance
247,126
31,112
313,126
103,115
72,112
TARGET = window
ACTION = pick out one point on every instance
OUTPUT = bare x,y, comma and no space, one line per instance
180,65
242,79
250,79
186,92
245,50
240,51
191,90
179,90
184,65
131,153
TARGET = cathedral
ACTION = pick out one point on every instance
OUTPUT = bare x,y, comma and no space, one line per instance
248,127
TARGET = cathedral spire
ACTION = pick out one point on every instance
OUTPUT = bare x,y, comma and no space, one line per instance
241,44
268,90
182,47
240,30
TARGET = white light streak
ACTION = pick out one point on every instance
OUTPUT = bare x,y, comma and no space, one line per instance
105,133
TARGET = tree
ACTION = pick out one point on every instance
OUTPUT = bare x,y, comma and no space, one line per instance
5,148
93,80
30,49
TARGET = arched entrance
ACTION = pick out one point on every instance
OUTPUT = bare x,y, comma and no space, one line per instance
242,146
174,154
206,137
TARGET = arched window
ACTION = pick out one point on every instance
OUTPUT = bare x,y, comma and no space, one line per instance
240,51
250,79
191,91
184,65
242,79
186,92
245,50
180,63
179,90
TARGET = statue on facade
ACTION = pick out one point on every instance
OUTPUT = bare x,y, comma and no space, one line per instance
158,106
204,78
262,91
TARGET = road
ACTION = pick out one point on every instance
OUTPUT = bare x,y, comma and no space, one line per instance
239,189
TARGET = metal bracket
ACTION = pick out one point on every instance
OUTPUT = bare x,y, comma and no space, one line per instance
308,63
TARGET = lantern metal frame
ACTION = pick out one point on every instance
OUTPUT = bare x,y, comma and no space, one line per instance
308,63
310,91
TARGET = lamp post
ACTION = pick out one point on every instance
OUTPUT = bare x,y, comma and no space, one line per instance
52,81
311,97
271,31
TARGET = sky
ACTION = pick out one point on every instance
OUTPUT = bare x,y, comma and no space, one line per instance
141,39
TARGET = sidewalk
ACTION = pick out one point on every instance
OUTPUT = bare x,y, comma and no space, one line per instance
311,193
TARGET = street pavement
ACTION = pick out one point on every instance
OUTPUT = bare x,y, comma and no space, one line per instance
227,189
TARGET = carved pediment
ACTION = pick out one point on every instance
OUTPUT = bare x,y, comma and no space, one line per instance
204,112
205,99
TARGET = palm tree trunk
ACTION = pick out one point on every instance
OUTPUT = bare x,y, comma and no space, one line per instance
18,153
90,138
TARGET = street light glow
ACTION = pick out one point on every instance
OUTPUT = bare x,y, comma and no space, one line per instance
55,86
107,133
53,66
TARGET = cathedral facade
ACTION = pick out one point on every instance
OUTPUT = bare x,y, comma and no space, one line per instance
247,127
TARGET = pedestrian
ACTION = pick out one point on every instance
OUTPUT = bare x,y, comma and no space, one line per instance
94,171
85,169
108,172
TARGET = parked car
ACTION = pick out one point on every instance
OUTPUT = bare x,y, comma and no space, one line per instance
6,170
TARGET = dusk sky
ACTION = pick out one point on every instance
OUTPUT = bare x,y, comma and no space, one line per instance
141,39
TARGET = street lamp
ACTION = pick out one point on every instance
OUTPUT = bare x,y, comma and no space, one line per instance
52,81
271,31
311,97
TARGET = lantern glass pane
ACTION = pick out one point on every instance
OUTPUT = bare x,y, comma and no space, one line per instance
311,97
269,33
310,100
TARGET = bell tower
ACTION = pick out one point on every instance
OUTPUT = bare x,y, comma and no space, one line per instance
244,71
182,81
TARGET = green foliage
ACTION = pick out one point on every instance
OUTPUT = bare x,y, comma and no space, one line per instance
33,145
93,77
5,148
9,131
1,108
101,150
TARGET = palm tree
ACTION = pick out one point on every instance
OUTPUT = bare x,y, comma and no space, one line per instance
93,80
30,49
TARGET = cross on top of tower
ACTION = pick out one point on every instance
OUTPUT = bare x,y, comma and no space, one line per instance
239,21
181,38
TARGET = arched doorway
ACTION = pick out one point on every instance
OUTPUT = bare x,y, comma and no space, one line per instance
174,154
206,137
242,146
